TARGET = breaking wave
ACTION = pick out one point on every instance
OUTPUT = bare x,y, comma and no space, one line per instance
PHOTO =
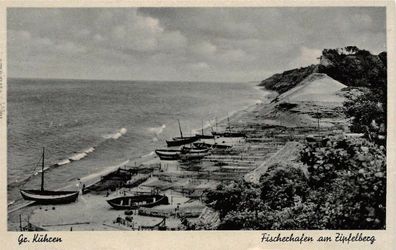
76,156
117,134
148,155
157,131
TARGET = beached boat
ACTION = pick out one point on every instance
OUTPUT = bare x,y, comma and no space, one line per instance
228,132
168,154
200,136
47,196
182,140
203,136
175,154
136,201
193,150
212,145
194,154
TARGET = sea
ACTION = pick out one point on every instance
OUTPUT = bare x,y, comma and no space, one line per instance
86,126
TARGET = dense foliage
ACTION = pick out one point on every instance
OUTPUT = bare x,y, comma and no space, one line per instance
344,188
368,113
354,67
289,79
350,66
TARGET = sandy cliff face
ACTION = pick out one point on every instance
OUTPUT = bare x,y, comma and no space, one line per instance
317,87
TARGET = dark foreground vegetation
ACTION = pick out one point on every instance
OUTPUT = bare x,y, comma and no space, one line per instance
342,184
343,189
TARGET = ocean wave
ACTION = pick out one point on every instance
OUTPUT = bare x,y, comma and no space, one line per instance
89,150
148,155
157,130
74,157
117,134
41,170
63,162
78,156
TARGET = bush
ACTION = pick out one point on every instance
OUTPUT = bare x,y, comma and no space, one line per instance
345,189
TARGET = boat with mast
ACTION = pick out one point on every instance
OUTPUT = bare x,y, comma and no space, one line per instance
202,135
47,196
228,132
182,140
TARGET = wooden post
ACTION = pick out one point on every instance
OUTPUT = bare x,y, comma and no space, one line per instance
20,222
42,172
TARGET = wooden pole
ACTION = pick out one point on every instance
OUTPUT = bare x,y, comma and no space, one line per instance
42,172
20,222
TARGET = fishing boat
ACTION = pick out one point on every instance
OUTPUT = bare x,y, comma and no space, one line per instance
175,154
228,132
193,150
136,201
194,154
214,145
202,135
182,140
46,196
168,154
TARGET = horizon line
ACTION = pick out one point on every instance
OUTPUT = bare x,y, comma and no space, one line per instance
127,80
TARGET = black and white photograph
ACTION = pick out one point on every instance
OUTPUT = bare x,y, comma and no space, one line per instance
196,118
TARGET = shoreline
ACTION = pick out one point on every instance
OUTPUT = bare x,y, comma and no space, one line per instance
269,132
27,209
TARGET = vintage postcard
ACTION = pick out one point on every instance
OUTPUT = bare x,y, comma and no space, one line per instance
197,125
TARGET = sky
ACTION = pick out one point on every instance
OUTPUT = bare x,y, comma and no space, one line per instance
182,44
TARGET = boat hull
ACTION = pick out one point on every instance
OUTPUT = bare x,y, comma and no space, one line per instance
134,202
212,145
229,134
179,141
200,136
195,154
50,197
168,154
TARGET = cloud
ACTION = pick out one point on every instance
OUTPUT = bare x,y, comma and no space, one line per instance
69,47
172,41
199,66
204,48
233,55
307,56
222,44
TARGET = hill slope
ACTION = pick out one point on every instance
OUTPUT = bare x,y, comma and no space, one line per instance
316,87
350,66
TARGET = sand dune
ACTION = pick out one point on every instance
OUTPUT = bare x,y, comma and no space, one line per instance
316,87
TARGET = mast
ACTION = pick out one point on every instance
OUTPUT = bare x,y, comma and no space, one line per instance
202,127
181,133
229,125
42,172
